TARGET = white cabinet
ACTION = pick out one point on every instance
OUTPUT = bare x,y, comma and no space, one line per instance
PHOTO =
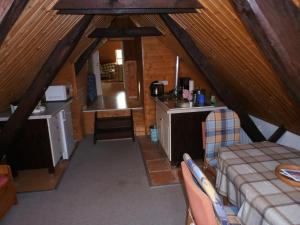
61,134
163,123
55,135
67,132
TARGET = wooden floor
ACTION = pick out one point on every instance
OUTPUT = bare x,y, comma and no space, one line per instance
39,179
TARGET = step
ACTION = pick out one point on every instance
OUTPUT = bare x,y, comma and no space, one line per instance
113,122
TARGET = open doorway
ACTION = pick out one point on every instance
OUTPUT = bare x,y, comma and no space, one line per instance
122,70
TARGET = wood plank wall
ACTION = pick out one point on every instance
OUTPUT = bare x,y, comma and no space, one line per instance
159,64
220,35
67,76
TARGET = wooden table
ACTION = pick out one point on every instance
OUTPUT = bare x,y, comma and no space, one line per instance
246,175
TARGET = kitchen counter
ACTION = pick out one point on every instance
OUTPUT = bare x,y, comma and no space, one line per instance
180,129
169,105
51,109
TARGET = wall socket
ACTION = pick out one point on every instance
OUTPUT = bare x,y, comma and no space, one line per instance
164,82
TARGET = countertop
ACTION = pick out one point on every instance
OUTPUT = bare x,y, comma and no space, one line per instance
51,109
169,105
111,103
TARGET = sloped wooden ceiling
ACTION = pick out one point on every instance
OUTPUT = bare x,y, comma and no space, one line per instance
30,42
221,36
216,30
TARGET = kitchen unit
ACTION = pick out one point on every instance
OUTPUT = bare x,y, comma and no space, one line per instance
180,130
46,138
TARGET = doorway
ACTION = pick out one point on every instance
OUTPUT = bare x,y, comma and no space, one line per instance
122,69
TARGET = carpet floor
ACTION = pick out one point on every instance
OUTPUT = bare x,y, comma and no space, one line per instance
104,184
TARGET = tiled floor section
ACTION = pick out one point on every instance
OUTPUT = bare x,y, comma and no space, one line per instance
158,168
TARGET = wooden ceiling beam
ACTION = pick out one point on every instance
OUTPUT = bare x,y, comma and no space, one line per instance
205,67
42,80
274,25
125,32
11,17
277,134
118,7
85,56
123,11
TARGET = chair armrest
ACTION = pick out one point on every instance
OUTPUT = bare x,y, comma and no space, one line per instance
5,170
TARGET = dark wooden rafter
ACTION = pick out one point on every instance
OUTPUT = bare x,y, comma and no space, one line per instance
275,26
204,66
85,55
125,32
42,80
11,17
250,128
118,7
277,134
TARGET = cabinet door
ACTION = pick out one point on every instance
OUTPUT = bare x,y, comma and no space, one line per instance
166,134
158,122
55,133
67,125
162,118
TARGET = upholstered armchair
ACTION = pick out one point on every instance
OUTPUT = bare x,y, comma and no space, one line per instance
8,195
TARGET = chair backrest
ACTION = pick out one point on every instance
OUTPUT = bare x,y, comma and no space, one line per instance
222,128
199,202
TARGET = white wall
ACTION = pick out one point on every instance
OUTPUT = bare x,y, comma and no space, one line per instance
267,129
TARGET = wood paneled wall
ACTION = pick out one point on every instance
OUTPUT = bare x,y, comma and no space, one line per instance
159,64
67,76
107,51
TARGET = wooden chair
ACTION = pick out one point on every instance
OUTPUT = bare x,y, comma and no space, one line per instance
203,205
8,195
221,128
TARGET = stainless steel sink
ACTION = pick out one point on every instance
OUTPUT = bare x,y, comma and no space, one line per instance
182,105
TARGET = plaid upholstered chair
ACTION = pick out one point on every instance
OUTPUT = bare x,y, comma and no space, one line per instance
221,128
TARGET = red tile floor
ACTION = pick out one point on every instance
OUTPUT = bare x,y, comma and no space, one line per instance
158,168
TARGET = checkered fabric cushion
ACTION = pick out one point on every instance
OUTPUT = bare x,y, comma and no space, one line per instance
222,128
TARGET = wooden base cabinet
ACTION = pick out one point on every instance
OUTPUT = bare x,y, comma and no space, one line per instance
180,132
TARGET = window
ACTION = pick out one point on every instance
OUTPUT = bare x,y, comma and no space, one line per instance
119,57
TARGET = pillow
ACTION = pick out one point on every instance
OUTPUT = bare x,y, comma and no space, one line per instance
208,188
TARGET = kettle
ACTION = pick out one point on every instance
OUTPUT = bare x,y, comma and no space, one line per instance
156,89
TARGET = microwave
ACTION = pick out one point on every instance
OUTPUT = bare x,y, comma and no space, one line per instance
58,93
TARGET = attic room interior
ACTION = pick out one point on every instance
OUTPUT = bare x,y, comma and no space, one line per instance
150,112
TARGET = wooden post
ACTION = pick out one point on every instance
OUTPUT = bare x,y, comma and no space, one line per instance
85,55
275,25
42,80
203,64
11,17
277,134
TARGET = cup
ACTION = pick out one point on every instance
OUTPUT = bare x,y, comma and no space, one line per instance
213,100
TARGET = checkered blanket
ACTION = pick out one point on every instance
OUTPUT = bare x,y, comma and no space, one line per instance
222,128
108,68
246,175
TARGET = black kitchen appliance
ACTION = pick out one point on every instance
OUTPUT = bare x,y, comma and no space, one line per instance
184,82
156,89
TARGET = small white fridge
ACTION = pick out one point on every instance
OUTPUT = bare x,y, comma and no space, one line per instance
67,132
